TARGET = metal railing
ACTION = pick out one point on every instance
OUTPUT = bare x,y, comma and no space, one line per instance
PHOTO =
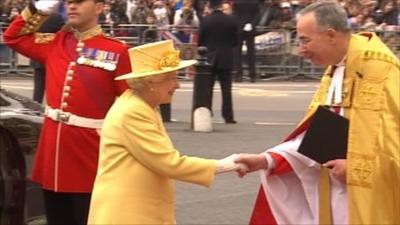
277,58
276,49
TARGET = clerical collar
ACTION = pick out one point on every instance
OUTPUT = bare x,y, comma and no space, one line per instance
92,32
342,63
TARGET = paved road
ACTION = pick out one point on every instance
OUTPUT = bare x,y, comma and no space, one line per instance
266,112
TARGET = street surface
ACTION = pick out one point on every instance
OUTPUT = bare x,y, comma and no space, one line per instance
265,111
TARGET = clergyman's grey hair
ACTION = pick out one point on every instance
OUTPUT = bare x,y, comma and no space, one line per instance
328,14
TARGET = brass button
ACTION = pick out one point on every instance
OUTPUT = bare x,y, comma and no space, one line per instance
67,88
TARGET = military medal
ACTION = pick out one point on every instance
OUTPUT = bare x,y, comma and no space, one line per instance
81,60
112,61
97,58
112,67
109,61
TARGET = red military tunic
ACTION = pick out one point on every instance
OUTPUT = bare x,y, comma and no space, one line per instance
67,155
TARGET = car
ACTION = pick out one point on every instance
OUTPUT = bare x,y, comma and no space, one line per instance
21,120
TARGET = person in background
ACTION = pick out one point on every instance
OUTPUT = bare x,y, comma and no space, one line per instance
246,13
391,11
227,7
141,11
177,4
219,33
130,7
199,6
270,15
14,13
356,22
150,34
161,12
286,16
81,63
119,9
186,15
139,17
138,162
206,10
108,17
362,84
185,25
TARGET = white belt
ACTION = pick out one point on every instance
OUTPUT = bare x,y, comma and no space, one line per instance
71,119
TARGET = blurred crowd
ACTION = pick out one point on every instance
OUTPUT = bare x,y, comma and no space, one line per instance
363,14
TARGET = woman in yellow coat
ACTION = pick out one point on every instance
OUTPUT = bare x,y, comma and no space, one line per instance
138,162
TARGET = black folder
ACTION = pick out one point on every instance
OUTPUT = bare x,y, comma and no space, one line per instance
326,137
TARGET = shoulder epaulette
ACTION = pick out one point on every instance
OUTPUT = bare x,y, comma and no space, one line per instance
376,55
44,38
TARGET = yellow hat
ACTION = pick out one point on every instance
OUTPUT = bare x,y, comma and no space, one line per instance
154,58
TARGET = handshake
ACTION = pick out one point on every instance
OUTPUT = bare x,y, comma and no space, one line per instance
242,163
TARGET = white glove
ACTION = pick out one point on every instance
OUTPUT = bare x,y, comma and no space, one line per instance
248,27
227,164
47,7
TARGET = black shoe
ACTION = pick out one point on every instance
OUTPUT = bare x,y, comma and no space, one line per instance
230,121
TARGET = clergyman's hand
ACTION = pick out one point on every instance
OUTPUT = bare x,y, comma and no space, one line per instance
338,168
253,163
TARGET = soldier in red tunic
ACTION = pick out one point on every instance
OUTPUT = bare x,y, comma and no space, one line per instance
81,64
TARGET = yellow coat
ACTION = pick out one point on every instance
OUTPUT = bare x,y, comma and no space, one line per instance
137,167
372,104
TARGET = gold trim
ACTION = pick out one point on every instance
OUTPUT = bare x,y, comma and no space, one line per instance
325,210
32,21
375,55
26,14
44,38
92,32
